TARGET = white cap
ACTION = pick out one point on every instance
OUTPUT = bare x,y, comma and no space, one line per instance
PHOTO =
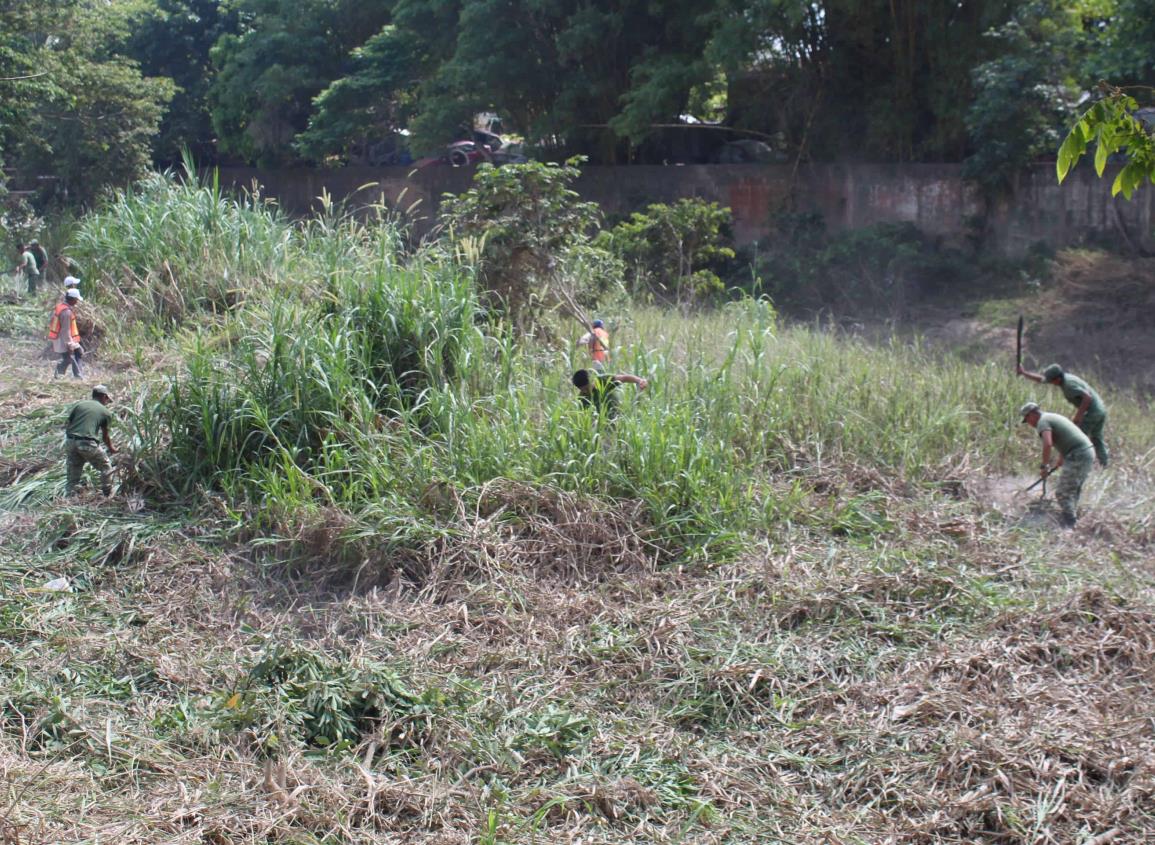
71,282
73,293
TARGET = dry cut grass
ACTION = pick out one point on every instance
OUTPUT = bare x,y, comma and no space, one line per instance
946,678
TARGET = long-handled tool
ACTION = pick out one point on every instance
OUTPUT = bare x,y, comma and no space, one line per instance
1019,346
1018,364
1042,481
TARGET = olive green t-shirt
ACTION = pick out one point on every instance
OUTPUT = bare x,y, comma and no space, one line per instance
31,268
602,395
1074,389
86,420
1064,434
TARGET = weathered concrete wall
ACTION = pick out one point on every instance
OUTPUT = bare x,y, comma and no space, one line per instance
1081,210
932,196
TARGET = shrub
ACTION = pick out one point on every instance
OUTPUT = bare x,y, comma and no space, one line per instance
293,695
679,251
525,223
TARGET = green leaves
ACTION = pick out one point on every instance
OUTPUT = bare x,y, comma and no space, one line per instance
676,250
86,114
1074,145
1112,126
527,219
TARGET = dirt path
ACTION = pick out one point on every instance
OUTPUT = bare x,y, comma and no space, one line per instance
31,395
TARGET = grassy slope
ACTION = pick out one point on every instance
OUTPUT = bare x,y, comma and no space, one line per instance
890,643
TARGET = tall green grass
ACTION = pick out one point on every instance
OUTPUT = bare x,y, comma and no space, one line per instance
297,385
175,247
169,249
367,399
342,374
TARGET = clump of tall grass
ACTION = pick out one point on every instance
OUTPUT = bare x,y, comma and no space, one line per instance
297,385
169,248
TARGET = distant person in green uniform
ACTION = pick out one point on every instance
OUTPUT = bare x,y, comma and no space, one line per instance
598,390
29,268
41,257
1090,412
87,424
1075,456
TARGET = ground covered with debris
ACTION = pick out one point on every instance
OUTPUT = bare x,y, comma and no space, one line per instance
795,592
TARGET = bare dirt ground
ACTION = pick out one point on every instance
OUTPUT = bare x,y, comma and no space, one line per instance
1095,314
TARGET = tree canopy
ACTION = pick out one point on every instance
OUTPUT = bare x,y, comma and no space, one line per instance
91,92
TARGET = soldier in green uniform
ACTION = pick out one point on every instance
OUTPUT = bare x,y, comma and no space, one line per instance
1075,455
87,423
597,390
1090,412
41,256
29,268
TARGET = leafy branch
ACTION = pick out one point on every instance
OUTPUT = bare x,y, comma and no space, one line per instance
1112,126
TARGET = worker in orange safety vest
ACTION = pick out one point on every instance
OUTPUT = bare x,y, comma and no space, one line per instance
597,340
65,335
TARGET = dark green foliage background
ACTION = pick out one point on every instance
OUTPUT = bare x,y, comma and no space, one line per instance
93,93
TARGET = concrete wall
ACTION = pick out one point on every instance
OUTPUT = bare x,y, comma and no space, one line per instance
933,196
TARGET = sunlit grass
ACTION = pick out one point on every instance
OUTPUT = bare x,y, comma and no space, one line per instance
372,572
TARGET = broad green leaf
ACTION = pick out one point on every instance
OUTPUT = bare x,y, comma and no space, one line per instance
1119,185
1101,151
1069,153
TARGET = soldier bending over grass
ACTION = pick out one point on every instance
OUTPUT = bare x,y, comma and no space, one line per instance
87,420
1090,412
597,389
1075,456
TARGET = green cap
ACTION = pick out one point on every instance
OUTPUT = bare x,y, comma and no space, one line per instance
1029,408
1052,372
100,390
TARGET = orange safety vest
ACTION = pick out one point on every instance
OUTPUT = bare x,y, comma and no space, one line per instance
54,326
600,345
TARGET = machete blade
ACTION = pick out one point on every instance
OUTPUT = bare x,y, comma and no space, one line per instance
1019,344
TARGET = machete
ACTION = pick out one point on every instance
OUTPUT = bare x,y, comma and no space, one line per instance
1019,345
1042,481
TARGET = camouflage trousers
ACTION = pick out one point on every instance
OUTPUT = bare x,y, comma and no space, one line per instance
1093,428
1076,468
81,452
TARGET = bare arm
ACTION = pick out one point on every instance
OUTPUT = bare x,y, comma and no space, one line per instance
107,440
1048,445
626,378
1035,377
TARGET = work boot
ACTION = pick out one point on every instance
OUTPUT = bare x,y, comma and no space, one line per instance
1067,520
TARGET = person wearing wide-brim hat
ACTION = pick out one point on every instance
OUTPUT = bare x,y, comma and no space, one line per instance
1090,412
88,423
1075,455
